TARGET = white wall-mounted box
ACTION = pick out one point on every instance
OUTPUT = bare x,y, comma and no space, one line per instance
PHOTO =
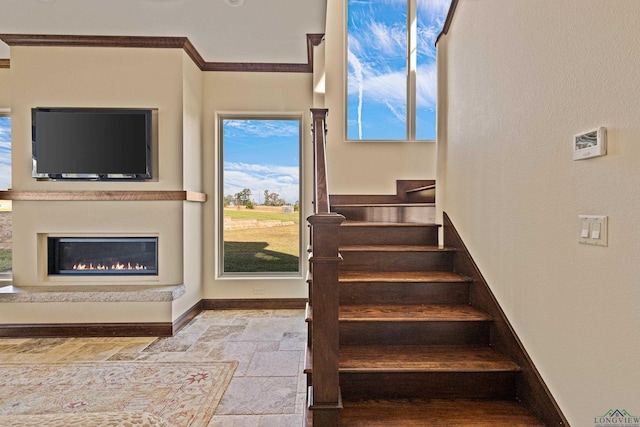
590,144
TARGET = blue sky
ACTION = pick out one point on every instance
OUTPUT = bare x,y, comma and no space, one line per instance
262,155
377,48
5,152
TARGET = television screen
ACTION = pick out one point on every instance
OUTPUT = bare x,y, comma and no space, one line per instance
90,143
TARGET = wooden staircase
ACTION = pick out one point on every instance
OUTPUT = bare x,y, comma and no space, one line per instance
413,349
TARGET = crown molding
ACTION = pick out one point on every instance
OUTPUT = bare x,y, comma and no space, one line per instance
162,43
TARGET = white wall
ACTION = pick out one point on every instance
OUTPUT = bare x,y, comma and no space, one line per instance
517,80
359,167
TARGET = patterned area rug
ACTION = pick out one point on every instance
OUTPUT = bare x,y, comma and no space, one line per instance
181,393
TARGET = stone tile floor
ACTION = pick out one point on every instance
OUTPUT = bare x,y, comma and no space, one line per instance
268,388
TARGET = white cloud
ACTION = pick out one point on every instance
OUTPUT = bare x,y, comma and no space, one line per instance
261,128
5,153
433,7
377,72
358,81
5,176
388,40
426,86
427,36
389,88
283,180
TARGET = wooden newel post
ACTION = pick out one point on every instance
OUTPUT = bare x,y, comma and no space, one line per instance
324,398
325,401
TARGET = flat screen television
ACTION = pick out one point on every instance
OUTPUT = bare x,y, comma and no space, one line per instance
91,143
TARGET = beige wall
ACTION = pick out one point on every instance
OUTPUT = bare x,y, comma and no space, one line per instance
162,79
358,167
248,93
5,90
98,77
517,80
187,101
192,163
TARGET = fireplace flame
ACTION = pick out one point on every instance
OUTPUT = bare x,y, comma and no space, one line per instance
117,266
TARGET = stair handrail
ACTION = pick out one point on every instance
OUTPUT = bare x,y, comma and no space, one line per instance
319,132
324,398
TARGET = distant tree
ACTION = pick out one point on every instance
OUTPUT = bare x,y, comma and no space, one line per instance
243,197
296,206
249,205
228,200
273,199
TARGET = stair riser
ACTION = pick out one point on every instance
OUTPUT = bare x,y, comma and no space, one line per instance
414,333
404,293
413,214
388,235
439,385
395,261
424,196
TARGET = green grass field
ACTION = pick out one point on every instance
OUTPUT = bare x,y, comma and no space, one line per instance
258,250
252,250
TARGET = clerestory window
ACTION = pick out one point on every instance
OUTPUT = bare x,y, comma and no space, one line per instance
391,79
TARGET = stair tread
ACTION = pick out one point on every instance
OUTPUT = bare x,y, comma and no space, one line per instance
394,248
376,205
401,276
436,412
423,359
352,223
422,313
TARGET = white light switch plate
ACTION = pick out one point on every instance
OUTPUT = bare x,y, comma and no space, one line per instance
593,230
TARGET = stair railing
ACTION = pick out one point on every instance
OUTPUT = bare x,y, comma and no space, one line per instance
324,390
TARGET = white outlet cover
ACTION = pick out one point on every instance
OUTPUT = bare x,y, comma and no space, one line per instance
597,234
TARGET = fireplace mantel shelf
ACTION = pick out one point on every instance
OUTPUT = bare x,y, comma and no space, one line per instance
91,293
189,196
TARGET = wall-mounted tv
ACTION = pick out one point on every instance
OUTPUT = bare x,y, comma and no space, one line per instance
91,143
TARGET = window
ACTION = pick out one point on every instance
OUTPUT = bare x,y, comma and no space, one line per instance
5,151
391,79
5,183
260,215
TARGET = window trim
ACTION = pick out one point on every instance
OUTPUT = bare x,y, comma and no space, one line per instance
7,276
219,206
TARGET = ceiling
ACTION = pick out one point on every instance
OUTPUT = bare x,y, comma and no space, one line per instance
269,31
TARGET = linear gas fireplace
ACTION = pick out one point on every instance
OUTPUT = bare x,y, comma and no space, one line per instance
102,256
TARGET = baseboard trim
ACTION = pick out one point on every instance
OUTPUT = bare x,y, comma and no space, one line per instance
255,304
187,317
151,329
531,388
80,330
